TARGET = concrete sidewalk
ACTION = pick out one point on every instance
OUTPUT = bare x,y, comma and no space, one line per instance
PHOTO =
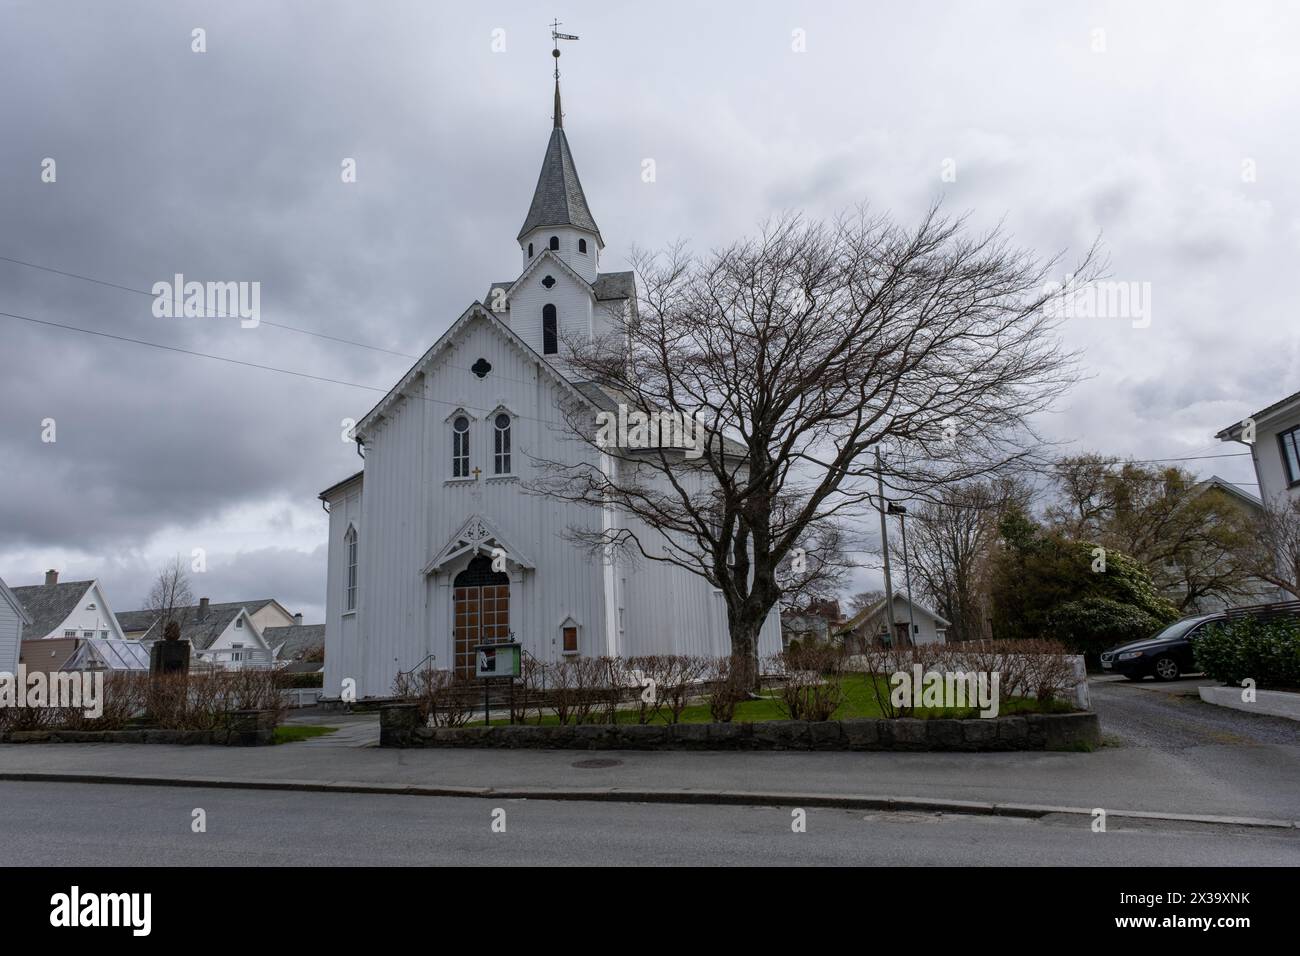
1117,779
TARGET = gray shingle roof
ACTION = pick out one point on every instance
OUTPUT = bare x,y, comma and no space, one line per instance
131,621
49,605
298,639
200,633
607,399
615,285
558,199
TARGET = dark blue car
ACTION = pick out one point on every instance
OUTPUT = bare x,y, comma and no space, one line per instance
1165,655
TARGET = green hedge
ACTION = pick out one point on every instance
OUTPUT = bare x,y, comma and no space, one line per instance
1265,650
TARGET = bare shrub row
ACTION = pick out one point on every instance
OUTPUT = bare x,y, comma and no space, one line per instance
169,702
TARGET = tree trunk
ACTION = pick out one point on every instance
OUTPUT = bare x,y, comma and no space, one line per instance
744,647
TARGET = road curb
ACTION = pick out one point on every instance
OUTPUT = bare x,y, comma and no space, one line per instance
621,795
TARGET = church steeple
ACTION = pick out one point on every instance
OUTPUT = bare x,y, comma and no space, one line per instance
558,199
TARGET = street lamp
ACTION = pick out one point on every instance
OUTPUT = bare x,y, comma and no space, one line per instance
901,511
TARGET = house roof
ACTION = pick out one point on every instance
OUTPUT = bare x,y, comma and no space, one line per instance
615,285
7,595
199,632
48,605
340,484
293,641
558,199
134,621
1232,431
875,608
137,621
303,667
1214,481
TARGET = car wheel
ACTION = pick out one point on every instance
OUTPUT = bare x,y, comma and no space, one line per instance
1166,668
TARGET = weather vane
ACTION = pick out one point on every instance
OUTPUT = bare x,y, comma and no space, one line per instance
556,37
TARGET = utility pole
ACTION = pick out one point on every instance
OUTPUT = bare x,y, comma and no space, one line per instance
901,511
884,547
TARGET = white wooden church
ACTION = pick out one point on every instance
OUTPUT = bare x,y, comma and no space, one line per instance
412,537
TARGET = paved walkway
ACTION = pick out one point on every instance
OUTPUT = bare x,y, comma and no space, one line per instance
1168,755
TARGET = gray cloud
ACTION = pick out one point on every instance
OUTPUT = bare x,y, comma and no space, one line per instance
225,165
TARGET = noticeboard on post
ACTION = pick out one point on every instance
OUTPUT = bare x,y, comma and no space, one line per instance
498,660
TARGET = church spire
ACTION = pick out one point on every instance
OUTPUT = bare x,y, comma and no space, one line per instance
556,37
558,199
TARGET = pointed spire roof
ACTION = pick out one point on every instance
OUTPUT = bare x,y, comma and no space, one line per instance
558,199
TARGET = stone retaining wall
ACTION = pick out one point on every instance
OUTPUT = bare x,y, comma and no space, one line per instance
244,728
400,727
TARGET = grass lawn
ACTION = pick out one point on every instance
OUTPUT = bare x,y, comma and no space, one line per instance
859,701
295,732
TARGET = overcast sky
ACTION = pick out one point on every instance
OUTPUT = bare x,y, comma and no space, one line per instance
1170,129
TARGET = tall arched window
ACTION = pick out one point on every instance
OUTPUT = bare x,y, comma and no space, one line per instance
460,447
501,444
582,246
350,596
530,250
550,333
555,243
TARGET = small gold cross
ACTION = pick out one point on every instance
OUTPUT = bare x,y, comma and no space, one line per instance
477,472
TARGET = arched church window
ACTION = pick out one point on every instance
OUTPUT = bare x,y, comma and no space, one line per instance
555,243
530,250
501,444
460,447
350,597
550,334
582,246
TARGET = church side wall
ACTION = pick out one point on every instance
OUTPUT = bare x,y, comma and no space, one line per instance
341,632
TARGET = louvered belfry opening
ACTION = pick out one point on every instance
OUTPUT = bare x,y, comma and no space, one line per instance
481,611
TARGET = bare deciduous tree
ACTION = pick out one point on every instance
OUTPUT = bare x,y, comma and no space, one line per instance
952,542
170,594
805,349
1275,555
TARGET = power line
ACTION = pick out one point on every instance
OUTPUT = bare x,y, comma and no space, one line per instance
246,364
377,348
278,325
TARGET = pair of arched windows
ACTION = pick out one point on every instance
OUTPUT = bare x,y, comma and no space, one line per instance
501,446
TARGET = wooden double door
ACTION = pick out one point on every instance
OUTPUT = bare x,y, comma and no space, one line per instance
480,611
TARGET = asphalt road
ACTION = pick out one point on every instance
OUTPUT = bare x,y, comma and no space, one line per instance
81,825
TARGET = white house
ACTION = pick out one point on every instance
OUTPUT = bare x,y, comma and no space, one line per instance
1273,436
412,537
224,635
871,624
13,618
68,609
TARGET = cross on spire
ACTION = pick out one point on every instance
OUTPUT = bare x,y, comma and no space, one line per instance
556,37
